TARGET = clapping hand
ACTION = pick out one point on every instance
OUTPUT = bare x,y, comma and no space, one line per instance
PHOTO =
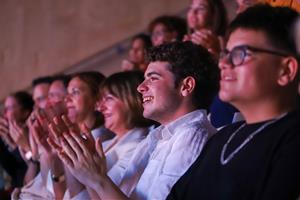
80,153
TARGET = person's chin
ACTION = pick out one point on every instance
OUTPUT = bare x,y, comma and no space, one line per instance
72,118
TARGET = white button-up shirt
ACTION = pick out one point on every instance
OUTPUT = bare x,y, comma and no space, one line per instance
118,151
165,155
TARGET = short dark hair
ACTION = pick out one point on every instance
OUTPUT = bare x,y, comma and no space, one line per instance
62,77
24,99
41,80
123,85
172,23
276,22
188,59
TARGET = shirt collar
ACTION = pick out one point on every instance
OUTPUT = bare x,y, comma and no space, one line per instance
165,132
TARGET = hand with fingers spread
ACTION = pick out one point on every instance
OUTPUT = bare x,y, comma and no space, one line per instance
207,39
85,160
19,134
4,133
37,130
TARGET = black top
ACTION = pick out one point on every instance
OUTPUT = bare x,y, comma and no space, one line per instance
268,167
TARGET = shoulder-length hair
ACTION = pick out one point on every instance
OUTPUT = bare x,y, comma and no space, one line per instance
123,85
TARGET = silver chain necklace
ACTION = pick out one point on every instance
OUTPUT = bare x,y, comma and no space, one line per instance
225,161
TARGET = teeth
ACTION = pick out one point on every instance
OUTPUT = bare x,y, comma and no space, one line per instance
148,98
228,78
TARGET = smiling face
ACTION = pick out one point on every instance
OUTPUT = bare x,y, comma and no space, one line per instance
40,94
255,80
57,92
137,51
161,35
13,110
80,100
114,112
199,15
161,99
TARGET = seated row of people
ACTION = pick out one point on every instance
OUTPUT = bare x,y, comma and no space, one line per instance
96,138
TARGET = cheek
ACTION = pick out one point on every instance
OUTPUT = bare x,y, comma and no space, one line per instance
80,103
9,115
140,54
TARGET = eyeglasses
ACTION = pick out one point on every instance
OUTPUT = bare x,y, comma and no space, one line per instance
238,54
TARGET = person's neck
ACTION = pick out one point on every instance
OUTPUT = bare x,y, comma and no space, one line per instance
89,121
121,131
170,117
262,112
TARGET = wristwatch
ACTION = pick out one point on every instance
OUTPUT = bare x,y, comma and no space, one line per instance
58,179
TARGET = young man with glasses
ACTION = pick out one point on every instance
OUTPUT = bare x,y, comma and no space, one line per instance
258,158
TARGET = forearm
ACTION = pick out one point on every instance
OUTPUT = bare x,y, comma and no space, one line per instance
106,189
73,185
58,176
32,171
59,189
93,194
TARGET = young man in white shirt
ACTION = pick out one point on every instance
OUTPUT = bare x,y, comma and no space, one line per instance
179,84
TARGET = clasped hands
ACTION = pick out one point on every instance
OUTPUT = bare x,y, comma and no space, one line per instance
78,150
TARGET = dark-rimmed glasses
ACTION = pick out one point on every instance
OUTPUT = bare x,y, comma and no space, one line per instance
238,54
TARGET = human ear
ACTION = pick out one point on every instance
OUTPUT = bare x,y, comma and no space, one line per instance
187,86
288,71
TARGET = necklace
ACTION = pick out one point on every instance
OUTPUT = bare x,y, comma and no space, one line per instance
223,160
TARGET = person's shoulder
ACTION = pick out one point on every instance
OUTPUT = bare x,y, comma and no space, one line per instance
290,121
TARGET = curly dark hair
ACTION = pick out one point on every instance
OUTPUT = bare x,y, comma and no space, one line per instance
187,59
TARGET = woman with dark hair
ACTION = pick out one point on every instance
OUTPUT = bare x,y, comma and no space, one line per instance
165,29
136,55
81,101
17,107
207,22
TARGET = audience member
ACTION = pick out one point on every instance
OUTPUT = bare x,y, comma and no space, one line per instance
39,152
137,61
14,133
40,90
207,22
166,29
259,158
83,94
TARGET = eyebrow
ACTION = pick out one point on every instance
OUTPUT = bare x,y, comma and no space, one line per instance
152,73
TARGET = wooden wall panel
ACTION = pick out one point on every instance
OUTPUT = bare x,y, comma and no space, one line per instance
41,37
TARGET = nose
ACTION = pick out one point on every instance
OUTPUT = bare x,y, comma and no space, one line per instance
67,98
142,87
100,105
224,62
6,113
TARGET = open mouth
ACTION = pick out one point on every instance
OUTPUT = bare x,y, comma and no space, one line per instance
147,99
107,115
228,77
